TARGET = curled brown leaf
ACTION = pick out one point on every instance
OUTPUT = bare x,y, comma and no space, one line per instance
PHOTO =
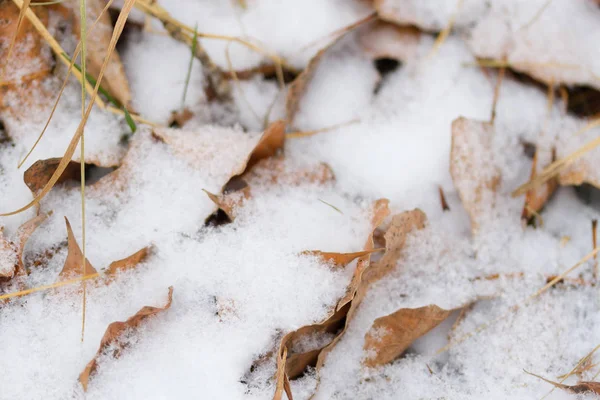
112,336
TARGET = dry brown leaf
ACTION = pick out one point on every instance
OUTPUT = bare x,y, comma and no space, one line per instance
535,199
581,387
269,144
336,323
385,40
298,86
11,253
229,203
338,259
475,176
111,337
40,172
128,263
395,239
391,335
73,267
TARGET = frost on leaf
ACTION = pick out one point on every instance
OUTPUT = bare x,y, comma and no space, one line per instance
395,239
112,337
392,334
385,40
11,252
474,173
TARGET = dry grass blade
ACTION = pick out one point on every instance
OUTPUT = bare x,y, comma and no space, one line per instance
446,31
120,24
581,387
64,85
554,169
56,48
154,9
46,287
24,7
302,134
554,281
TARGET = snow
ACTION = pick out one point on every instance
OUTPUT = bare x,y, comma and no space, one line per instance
240,287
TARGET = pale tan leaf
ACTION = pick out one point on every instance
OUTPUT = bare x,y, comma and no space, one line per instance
474,174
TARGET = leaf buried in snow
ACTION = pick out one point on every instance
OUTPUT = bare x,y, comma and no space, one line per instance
112,336
385,40
31,58
11,253
473,171
298,86
581,387
392,334
395,239
229,203
73,267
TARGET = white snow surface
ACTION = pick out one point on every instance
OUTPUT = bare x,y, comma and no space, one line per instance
239,287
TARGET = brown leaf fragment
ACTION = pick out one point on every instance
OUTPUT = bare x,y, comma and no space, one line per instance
23,234
536,198
230,202
271,141
474,174
298,86
276,171
128,263
112,336
31,59
8,258
339,259
392,334
386,40
395,239
581,387
11,252
73,267
40,172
